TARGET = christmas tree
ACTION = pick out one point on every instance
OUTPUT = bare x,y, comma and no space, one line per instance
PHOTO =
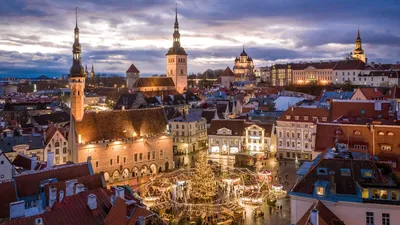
202,184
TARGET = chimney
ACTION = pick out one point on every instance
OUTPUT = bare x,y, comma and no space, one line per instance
92,201
52,195
79,188
61,197
33,162
50,159
332,182
39,221
314,217
141,220
17,209
120,192
69,187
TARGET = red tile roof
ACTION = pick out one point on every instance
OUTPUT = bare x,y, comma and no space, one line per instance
23,161
304,114
370,93
7,195
29,184
393,93
228,72
350,65
154,82
73,210
236,126
325,216
49,133
348,108
133,69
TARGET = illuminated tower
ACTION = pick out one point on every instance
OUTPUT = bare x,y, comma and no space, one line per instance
77,77
359,52
177,60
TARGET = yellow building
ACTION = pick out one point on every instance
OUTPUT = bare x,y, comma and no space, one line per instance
244,67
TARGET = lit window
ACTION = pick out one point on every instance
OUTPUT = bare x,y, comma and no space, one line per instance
383,194
390,133
365,193
320,191
305,117
395,195
345,172
381,133
386,148
357,132
288,117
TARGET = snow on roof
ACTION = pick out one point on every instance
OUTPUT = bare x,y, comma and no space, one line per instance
282,103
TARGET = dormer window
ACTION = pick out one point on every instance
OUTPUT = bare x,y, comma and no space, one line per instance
386,147
390,133
345,172
367,173
322,171
356,132
381,133
305,117
296,117
324,119
288,117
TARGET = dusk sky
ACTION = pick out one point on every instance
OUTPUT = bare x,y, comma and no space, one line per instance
37,35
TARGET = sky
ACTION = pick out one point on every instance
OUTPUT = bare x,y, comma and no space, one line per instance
36,36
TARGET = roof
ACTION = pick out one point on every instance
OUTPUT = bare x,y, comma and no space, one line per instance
209,115
376,74
221,109
91,182
58,117
7,195
22,161
304,114
394,92
119,213
344,184
154,82
368,109
228,72
327,95
317,65
352,64
282,103
34,142
176,51
73,210
108,125
243,53
236,126
28,184
325,216
266,126
133,69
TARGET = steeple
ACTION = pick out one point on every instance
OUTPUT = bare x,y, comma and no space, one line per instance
358,53
358,42
176,35
92,72
76,68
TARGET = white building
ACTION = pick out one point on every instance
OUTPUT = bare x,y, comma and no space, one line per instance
349,71
295,132
189,133
56,142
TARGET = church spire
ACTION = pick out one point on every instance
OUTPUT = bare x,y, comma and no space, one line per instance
176,16
76,68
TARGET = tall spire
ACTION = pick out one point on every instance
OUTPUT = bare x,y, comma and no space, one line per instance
176,15
358,34
76,17
176,35
76,68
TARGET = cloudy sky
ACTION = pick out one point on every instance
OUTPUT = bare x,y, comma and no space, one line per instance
36,35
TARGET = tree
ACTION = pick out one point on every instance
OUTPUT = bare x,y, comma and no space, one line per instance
202,185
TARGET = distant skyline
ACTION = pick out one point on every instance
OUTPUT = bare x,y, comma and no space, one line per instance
37,35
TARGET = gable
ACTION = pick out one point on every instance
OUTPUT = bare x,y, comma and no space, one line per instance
224,131
310,68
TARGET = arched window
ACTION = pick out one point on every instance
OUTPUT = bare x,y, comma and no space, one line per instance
390,133
78,93
381,133
356,132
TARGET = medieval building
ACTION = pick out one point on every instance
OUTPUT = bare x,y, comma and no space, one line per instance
121,143
358,53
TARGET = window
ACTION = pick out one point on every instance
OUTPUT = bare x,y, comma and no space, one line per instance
395,195
383,194
97,164
356,132
365,193
141,157
292,134
320,191
161,154
2,162
64,159
110,162
118,159
322,171
306,145
324,119
385,219
296,117
57,151
345,172
177,126
148,155
183,126
135,157
154,155
386,148
298,135
65,150
124,160
375,194
390,133
305,117
288,117
287,134
366,173
57,160
370,218
293,145
288,154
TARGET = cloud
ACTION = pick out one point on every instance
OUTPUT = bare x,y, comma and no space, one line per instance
37,35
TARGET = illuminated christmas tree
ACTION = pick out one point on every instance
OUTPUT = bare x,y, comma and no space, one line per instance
202,184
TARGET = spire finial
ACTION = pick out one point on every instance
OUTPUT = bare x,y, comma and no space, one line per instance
176,13
76,16
358,33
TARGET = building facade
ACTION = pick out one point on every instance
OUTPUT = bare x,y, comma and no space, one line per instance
189,133
6,168
56,142
176,59
281,75
309,73
227,78
132,75
296,129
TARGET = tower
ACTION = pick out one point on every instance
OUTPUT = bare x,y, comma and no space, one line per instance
359,52
77,77
92,74
132,75
176,58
